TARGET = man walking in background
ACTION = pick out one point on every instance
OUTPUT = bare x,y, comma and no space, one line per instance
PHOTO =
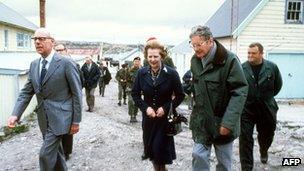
105,77
133,110
91,76
260,109
67,139
55,82
121,77
60,48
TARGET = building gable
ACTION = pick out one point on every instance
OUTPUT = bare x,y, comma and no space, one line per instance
10,17
230,15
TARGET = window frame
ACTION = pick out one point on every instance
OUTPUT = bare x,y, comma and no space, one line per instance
23,40
6,39
301,15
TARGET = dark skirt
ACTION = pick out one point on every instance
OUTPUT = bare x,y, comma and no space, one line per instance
158,147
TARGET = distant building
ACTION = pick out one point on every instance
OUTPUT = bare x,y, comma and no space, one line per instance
277,24
82,48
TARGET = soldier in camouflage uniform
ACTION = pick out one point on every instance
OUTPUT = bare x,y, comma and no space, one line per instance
121,77
130,80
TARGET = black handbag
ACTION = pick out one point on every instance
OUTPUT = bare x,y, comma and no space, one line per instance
175,120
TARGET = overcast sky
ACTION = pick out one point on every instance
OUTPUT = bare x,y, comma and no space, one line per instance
119,21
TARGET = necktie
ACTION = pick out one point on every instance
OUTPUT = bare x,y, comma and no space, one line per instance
43,70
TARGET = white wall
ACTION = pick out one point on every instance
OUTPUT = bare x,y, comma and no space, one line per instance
269,28
12,38
181,62
9,89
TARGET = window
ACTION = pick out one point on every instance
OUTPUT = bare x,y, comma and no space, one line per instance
5,39
294,11
23,40
20,41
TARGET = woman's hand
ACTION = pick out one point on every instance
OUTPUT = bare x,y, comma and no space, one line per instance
150,112
160,112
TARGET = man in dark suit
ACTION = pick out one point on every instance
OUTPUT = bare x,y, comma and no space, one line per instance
55,82
67,139
265,81
91,74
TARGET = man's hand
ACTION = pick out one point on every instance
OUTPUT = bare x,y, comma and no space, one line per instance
11,123
160,112
74,128
224,131
150,112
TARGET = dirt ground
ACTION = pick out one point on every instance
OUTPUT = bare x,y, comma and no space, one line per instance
107,141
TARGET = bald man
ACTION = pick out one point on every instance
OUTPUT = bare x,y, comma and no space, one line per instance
56,83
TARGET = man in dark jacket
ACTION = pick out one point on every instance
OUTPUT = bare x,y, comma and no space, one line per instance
105,77
131,75
265,82
187,86
91,76
220,90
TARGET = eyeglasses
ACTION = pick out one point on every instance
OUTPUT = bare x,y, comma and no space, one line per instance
40,39
197,45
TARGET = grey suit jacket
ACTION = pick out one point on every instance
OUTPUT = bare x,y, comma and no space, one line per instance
59,97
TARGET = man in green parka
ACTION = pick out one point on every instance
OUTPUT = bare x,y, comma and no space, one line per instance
265,81
220,90
131,75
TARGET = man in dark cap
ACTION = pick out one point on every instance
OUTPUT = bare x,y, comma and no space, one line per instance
131,75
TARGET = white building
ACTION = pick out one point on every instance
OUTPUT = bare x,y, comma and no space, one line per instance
16,52
276,24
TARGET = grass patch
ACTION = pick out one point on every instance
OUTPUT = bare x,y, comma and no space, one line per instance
20,128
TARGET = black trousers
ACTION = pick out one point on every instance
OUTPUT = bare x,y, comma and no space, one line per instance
67,143
259,115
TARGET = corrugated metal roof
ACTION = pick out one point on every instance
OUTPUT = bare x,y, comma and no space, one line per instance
224,21
125,55
12,17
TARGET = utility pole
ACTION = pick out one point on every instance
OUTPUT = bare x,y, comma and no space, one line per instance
42,13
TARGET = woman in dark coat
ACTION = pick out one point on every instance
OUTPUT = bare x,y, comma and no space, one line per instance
160,86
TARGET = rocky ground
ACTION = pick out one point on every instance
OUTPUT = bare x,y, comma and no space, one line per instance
107,141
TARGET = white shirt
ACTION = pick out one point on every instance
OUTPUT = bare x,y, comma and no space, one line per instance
89,66
48,58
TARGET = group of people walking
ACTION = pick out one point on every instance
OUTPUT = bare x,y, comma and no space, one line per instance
229,99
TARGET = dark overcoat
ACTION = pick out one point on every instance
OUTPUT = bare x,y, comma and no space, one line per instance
91,77
269,85
158,146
